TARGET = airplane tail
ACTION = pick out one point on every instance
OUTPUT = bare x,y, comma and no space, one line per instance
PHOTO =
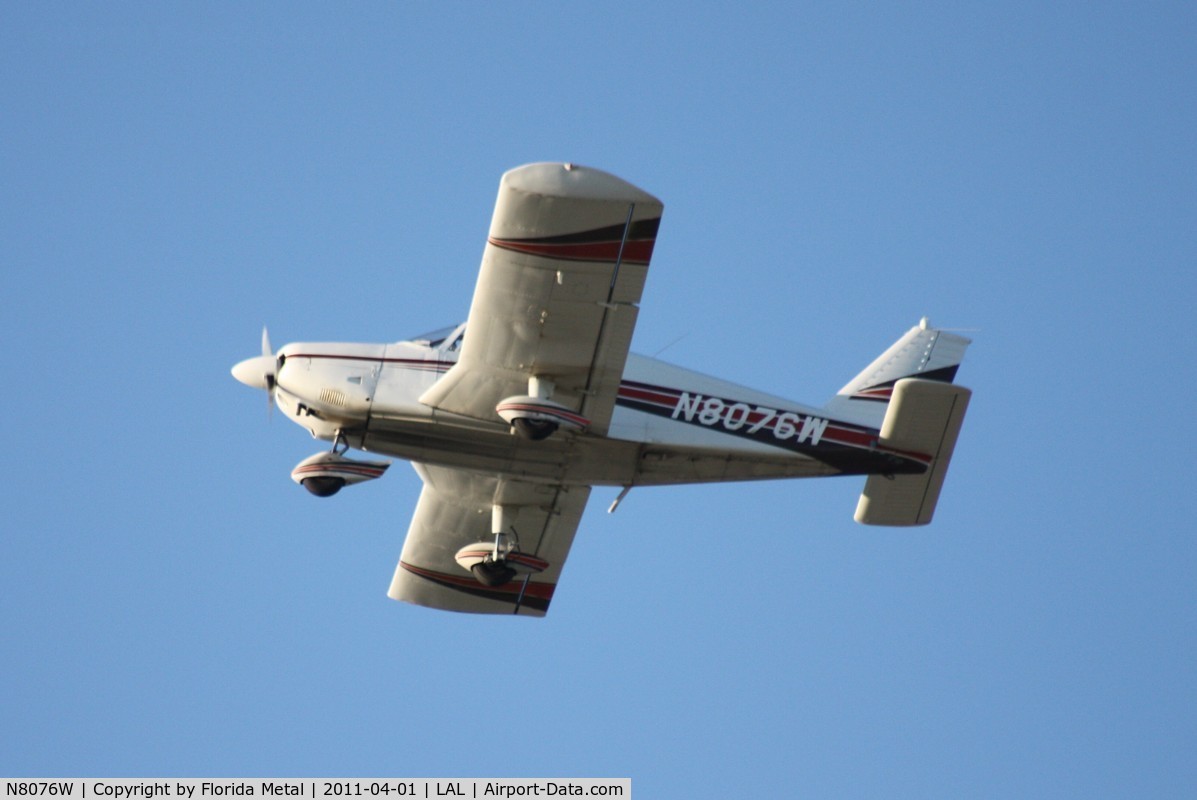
923,352
907,393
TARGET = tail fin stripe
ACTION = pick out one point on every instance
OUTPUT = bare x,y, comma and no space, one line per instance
923,352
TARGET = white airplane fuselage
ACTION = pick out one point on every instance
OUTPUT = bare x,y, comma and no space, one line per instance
510,423
670,425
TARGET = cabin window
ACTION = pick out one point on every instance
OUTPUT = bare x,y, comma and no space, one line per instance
434,338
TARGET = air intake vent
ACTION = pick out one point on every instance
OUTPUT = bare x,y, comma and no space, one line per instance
333,397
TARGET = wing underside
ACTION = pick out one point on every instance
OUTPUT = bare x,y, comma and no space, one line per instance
562,273
454,510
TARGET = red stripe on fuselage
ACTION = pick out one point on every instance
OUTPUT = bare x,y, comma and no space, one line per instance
406,363
836,433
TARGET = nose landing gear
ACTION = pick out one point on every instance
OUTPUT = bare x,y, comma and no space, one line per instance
326,473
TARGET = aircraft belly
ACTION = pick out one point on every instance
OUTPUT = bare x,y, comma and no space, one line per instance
580,460
501,453
661,466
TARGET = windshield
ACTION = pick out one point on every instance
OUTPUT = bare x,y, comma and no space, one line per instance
437,337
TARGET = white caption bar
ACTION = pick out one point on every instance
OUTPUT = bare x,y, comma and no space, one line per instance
313,788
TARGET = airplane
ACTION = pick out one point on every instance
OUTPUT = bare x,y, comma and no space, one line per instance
511,417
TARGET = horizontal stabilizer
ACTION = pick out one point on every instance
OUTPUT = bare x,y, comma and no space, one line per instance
922,417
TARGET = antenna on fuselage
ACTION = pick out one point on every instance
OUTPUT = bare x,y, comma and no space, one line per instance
671,344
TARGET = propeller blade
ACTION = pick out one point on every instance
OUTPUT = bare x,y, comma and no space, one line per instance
271,377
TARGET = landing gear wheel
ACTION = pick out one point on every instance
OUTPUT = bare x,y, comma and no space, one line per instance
534,429
323,485
492,573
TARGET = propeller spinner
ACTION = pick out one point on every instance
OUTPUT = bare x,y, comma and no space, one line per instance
259,371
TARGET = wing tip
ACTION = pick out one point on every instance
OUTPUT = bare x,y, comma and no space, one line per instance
463,594
566,179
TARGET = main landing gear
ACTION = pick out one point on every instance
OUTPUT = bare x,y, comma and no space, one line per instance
534,429
535,416
499,561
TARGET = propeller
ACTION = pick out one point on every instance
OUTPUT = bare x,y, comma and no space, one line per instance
260,372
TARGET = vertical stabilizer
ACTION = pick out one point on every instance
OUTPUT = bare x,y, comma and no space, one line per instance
923,352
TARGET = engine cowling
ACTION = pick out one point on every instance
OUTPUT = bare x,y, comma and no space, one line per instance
538,418
326,473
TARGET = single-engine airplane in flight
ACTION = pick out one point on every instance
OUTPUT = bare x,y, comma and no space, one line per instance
511,417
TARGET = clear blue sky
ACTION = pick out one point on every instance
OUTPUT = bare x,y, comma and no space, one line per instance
172,176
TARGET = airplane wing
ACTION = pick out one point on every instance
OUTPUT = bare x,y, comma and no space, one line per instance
455,510
562,273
